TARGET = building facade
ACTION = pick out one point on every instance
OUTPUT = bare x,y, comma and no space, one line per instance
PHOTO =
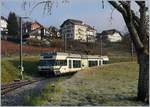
3,26
110,35
77,30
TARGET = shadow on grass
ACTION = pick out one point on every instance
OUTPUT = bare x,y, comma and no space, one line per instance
30,66
124,100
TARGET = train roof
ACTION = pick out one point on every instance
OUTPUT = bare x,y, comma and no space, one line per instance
69,55
105,58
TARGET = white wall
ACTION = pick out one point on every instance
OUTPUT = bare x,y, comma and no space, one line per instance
77,32
80,32
3,24
115,37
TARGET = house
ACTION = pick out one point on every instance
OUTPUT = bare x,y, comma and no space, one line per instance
32,30
3,26
35,25
39,33
110,35
29,26
77,30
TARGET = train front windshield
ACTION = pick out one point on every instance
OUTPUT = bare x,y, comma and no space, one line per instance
47,62
53,62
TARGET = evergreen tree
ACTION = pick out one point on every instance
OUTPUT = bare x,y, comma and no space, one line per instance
13,26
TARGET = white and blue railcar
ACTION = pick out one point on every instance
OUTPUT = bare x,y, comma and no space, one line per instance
57,63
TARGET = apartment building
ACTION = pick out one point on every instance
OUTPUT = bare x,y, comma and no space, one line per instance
77,30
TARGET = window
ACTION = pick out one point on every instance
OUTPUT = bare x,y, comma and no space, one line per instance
93,63
76,63
46,62
47,56
60,62
105,62
68,31
42,63
68,35
53,62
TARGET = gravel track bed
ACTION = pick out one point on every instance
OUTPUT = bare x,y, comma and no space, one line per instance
16,97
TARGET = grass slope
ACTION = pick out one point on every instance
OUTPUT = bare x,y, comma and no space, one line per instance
113,84
10,69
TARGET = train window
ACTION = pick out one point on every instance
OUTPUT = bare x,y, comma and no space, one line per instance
46,62
50,62
61,62
105,62
42,62
93,63
76,63
47,56
53,62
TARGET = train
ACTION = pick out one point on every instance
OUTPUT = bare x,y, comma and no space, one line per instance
57,63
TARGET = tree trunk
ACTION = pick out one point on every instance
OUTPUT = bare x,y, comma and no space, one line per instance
143,83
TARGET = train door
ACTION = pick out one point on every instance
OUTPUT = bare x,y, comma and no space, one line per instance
70,64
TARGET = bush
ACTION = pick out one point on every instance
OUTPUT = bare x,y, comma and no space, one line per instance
37,42
57,43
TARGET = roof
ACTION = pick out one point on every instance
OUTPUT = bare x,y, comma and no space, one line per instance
77,22
108,32
111,31
105,58
37,23
2,17
36,30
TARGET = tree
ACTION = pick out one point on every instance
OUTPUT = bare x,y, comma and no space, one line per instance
138,29
13,27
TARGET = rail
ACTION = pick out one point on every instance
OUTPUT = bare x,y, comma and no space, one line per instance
14,85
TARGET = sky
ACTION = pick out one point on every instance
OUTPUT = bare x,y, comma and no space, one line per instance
89,11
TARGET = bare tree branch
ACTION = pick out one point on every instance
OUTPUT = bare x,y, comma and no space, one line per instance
143,24
124,4
135,17
47,5
125,10
140,3
118,7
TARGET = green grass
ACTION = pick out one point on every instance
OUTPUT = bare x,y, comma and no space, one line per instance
110,85
11,72
121,59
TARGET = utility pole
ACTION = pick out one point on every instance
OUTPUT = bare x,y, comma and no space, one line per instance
65,43
101,47
87,40
21,62
21,59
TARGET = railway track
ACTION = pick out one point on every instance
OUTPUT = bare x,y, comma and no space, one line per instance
14,85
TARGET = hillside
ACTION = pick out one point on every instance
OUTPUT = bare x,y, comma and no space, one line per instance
111,85
10,70
10,48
